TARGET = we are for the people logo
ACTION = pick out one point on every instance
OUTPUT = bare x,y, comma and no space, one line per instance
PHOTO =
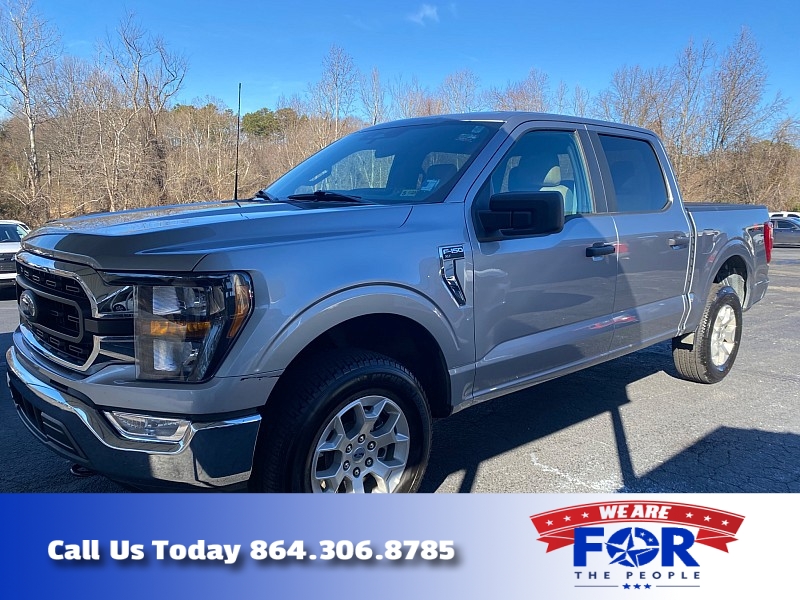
655,546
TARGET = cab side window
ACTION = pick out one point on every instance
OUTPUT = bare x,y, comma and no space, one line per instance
787,225
544,161
636,175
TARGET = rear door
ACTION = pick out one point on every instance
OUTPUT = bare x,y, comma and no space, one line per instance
654,237
542,304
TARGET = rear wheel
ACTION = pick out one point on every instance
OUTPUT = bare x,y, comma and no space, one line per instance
354,422
707,355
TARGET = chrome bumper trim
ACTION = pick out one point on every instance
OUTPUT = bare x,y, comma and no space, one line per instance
167,462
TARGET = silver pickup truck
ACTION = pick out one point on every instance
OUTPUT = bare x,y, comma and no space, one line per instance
304,339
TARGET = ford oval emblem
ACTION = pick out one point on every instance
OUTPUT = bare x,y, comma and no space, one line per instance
27,305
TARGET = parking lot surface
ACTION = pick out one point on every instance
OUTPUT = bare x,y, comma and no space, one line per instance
629,425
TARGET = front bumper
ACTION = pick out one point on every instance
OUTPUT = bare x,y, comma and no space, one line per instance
215,453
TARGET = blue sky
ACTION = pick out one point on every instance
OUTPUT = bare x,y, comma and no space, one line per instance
276,48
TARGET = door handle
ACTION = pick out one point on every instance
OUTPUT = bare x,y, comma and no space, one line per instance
679,240
600,249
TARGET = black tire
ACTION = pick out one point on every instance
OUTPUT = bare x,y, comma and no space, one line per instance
312,398
695,357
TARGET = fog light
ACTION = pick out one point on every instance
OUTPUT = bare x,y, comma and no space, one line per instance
148,428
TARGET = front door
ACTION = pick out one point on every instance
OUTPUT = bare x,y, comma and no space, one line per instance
543,303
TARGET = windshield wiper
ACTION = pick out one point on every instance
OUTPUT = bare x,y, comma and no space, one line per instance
325,196
263,194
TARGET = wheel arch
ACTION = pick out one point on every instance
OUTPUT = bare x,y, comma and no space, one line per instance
735,273
395,323
730,262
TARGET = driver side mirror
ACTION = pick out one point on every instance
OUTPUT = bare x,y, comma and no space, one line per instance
513,214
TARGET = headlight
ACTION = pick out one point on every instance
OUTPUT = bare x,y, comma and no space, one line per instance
185,326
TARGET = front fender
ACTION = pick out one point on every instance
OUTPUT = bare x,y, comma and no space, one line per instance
348,304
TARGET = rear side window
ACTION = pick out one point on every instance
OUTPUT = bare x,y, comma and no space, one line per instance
635,174
785,225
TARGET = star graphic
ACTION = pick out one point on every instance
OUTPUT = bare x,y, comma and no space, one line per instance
647,586
725,522
623,550
549,522
637,586
689,515
568,518
585,515
706,518
627,586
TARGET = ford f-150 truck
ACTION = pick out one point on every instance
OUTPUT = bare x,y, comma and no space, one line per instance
304,339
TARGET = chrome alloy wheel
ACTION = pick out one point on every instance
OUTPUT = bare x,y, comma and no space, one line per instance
723,336
363,449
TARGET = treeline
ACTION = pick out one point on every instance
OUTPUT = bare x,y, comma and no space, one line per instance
86,136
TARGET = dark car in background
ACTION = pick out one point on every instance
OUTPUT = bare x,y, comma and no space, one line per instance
786,231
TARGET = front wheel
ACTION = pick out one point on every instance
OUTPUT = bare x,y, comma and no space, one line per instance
353,422
707,355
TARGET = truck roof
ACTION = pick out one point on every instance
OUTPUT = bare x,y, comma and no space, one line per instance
513,118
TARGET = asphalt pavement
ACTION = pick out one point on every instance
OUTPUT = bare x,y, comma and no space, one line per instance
629,425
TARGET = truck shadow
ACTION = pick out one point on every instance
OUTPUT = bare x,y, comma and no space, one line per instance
462,441
726,460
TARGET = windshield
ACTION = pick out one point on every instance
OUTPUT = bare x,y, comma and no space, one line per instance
12,232
390,165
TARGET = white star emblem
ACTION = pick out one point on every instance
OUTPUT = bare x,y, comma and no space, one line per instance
689,515
568,518
585,515
549,522
725,522
706,518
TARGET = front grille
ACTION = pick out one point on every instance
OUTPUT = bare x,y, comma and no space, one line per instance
62,306
59,316
76,353
52,283
71,316
7,262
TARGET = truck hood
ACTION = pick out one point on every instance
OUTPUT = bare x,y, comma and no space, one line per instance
176,238
9,247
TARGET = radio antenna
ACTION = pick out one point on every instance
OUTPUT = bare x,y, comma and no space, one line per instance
238,127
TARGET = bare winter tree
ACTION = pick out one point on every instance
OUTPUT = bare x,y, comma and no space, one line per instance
759,175
580,101
739,84
333,95
136,79
202,161
373,97
29,46
687,127
560,101
459,92
73,166
295,142
532,93
412,99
